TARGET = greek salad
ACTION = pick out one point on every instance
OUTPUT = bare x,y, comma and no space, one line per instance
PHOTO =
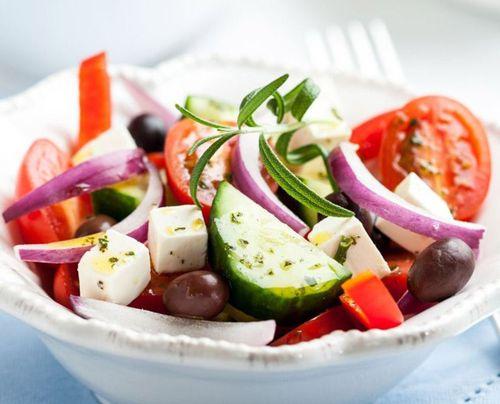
266,222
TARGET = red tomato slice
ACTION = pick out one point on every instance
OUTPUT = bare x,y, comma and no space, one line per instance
95,98
43,161
400,262
66,284
369,302
152,297
445,144
330,320
179,165
368,135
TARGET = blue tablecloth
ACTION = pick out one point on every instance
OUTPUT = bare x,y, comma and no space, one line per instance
465,369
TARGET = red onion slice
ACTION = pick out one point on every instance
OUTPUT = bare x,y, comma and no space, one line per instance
411,306
247,177
363,188
256,333
148,103
86,177
134,225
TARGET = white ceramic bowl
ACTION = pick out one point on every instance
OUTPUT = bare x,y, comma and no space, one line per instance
124,366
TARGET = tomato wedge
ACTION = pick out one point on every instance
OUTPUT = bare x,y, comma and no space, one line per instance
368,301
66,284
446,145
368,135
95,98
396,282
179,165
330,320
43,161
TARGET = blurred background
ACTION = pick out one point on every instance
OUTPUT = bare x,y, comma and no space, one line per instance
446,46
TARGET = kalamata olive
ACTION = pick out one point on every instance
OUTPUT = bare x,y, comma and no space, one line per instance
341,199
197,294
441,270
95,224
148,131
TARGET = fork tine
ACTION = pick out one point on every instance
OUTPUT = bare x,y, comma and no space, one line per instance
342,58
318,52
384,46
365,55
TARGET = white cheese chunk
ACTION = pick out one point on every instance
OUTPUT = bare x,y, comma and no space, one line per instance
361,256
114,139
116,269
177,238
415,191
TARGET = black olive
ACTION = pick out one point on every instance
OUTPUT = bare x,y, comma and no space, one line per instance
342,200
94,225
441,270
197,294
288,201
148,131
381,241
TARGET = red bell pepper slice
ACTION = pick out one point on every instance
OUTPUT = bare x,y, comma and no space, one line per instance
368,301
330,320
95,98
158,159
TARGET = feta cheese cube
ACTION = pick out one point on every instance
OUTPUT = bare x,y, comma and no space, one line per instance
361,256
116,269
415,191
177,238
116,138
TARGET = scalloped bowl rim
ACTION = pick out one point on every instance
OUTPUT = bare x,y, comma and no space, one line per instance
45,315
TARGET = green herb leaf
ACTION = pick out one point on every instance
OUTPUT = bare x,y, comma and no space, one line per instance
280,106
288,98
304,154
256,98
201,141
196,118
250,121
304,99
294,187
345,243
202,162
283,142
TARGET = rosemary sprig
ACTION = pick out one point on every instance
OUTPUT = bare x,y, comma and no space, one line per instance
255,99
202,162
303,154
297,102
294,187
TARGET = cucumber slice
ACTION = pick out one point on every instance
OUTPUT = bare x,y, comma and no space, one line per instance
273,272
121,199
211,109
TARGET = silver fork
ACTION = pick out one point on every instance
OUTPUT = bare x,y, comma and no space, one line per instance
368,51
